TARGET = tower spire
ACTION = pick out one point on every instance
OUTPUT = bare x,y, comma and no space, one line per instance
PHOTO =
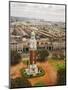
32,35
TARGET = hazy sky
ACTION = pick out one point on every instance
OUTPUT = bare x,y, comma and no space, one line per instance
47,12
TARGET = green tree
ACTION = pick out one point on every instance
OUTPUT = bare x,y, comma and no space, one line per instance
61,75
15,57
42,55
19,83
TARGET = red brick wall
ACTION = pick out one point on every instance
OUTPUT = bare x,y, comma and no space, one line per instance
32,56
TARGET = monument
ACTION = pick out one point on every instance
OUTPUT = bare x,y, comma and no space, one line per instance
32,67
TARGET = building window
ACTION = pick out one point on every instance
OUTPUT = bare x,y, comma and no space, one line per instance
37,43
42,43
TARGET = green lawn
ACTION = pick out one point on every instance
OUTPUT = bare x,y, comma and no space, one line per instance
57,63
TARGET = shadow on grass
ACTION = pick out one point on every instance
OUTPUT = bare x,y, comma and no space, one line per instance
20,83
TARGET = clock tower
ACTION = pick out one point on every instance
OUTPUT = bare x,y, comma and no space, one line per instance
32,68
33,48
